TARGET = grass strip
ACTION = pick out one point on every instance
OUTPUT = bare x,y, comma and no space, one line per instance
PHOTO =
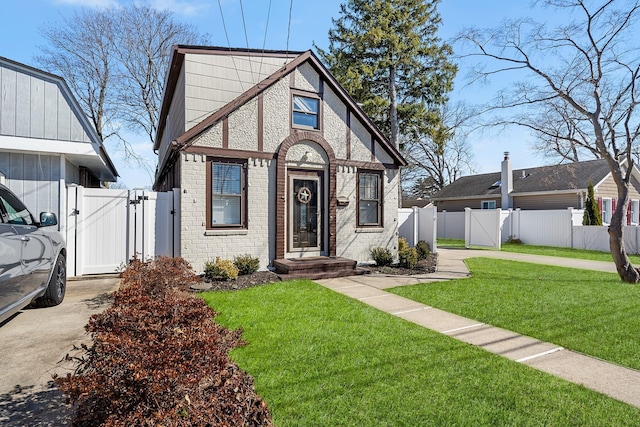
319,358
542,250
563,252
587,311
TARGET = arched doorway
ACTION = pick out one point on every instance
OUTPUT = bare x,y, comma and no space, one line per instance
305,224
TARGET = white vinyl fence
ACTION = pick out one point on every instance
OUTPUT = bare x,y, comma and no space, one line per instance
416,224
491,227
106,228
483,227
596,238
450,225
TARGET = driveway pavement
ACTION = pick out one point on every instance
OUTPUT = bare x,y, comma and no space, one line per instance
34,342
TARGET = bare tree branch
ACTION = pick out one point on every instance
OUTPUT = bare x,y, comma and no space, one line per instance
579,91
114,61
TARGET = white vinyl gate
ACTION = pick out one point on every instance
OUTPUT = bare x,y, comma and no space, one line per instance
107,228
482,227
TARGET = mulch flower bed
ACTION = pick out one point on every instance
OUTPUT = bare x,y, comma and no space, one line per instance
425,266
242,282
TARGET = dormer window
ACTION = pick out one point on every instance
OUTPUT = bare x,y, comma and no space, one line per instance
306,112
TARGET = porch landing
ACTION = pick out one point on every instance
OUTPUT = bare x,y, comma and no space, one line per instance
317,267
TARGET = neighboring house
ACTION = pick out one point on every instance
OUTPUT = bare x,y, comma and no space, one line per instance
418,202
46,141
273,159
546,187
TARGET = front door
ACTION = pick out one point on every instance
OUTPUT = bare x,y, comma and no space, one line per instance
305,217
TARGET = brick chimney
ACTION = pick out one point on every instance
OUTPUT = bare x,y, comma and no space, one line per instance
506,179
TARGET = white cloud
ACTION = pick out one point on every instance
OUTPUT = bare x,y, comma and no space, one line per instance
185,7
89,3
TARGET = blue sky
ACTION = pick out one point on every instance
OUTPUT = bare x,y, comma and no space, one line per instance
20,40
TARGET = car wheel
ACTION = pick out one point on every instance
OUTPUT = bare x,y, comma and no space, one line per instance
57,285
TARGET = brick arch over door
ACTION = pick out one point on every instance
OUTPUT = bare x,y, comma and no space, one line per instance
281,196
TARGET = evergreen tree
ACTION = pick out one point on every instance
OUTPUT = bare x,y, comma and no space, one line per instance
386,54
591,214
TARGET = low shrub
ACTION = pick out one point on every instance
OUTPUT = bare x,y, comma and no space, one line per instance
408,258
246,264
402,244
423,250
514,240
158,358
381,256
220,269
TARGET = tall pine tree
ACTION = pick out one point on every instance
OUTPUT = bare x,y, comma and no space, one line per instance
386,54
591,215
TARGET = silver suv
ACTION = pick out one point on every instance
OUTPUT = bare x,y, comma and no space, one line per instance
32,258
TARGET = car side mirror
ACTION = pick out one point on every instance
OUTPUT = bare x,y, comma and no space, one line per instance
47,219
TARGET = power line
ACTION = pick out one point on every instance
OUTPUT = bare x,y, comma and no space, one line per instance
224,26
289,25
264,42
246,39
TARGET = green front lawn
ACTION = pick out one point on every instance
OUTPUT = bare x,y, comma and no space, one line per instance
542,250
590,312
450,243
563,252
321,359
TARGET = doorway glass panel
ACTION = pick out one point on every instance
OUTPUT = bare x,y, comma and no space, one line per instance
305,213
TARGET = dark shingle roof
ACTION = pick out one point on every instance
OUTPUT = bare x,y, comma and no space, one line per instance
569,176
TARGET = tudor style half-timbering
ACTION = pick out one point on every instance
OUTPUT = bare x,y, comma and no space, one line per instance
273,159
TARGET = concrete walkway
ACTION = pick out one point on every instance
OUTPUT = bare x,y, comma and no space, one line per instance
613,380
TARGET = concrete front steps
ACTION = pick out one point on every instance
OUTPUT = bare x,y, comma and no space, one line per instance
316,268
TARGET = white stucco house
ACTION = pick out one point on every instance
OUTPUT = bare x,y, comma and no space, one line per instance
273,159
46,141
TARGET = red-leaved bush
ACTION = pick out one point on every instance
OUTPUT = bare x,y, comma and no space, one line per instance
158,359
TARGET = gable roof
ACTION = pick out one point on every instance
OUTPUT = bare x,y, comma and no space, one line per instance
87,151
567,177
308,56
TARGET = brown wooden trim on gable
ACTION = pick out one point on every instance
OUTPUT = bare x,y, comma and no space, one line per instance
365,165
177,61
225,132
359,113
260,121
226,152
373,149
321,108
348,136
187,137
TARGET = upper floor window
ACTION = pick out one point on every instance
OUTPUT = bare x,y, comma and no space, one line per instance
306,112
